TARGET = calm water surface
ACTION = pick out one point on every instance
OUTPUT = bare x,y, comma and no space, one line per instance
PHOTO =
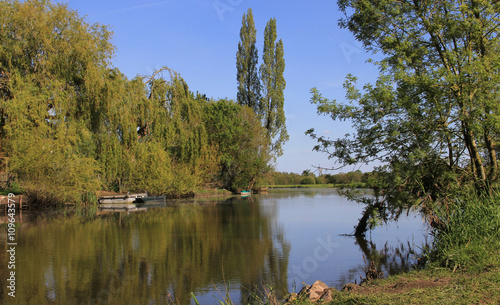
282,238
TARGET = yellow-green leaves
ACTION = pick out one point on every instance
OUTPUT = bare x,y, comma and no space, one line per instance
73,124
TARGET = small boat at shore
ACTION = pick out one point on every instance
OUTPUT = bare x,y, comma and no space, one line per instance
245,193
129,198
117,199
149,198
138,195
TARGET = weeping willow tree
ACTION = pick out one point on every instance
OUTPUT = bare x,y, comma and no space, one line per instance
170,124
72,124
51,64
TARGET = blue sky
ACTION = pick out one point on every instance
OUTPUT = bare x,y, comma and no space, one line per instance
199,38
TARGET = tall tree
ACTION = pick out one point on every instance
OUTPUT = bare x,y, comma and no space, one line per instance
93,128
246,64
273,81
52,66
433,113
241,141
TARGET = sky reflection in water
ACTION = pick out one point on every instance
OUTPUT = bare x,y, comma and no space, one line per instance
282,238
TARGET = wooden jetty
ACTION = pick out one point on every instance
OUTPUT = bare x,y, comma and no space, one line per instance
19,202
139,195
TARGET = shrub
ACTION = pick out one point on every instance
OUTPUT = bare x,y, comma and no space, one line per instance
308,180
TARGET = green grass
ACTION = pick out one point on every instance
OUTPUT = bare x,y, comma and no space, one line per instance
468,232
211,192
7,191
430,286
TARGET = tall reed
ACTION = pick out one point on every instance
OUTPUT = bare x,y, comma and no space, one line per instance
467,231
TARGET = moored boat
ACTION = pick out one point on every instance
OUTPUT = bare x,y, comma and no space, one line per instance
246,193
118,199
149,198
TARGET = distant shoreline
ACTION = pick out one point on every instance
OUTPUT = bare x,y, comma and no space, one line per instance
346,185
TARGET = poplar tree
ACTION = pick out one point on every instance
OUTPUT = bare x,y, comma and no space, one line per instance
246,64
273,83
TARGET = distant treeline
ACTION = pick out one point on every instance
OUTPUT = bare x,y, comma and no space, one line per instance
353,178
71,124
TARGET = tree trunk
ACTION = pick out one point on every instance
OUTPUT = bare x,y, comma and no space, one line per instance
362,225
475,158
492,155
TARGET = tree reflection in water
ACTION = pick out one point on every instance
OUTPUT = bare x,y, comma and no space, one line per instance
168,252
157,256
388,259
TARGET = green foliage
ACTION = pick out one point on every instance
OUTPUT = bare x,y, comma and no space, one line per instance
432,116
282,178
320,180
249,89
308,180
54,171
273,84
14,188
355,179
263,90
241,142
345,178
72,125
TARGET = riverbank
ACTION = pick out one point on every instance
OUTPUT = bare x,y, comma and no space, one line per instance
197,194
428,286
345,185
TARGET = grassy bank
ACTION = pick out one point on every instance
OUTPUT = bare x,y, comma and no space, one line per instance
432,285
208,193
429,286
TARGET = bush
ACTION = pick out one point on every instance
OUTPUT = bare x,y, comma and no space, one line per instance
308,180
41,197
320,180
54,174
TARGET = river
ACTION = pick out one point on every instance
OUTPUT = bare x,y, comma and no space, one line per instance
218,248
